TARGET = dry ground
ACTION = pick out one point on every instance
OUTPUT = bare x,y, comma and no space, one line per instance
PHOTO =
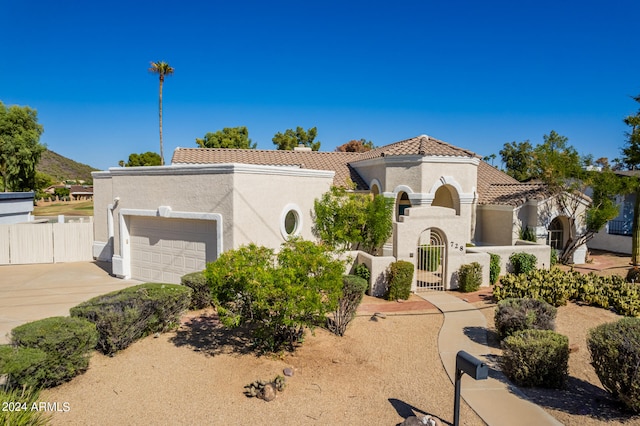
379,373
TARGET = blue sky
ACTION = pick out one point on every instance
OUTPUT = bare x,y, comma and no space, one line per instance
474,74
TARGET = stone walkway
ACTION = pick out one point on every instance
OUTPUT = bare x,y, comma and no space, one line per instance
495,400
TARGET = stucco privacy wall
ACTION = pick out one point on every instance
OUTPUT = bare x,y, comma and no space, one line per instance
542,253
247,202
610,242
15,207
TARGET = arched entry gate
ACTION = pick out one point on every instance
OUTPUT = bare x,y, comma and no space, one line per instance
430,267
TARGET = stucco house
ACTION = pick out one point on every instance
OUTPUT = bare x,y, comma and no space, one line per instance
158,223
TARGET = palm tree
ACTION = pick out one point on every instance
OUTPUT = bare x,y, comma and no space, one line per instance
162,69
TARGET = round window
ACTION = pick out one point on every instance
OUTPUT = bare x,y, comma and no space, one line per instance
291,222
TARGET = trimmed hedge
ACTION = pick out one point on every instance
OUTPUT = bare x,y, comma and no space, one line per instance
615,355
24,366
514,315
523,263
400,277
353,288
66,342
124,316
536,358
469,277
494,268
201,296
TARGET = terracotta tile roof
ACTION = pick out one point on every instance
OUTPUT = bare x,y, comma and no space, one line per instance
336,161
513,194
420,145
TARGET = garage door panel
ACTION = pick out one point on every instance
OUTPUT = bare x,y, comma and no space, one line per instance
166,249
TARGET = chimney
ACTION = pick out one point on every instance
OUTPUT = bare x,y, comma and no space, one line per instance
302,148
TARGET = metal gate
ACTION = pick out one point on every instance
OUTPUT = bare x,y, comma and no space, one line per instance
431,252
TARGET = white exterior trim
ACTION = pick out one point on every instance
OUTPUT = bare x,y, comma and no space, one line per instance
122,263
299,220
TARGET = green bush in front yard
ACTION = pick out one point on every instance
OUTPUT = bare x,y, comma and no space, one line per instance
400,277
494,268
361,270
536,358
469,277
67,343
124,316
615,355
514,315
23,366
523,263
201,296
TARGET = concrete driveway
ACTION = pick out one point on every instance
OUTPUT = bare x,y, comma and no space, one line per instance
32,292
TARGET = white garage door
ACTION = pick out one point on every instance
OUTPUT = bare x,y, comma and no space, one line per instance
163,250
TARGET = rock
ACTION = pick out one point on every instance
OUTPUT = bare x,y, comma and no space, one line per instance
573,348
268,393
417,421
412,421
288,372
380,315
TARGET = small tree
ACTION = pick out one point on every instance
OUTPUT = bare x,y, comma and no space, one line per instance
144,159
361,145
345,219
353,288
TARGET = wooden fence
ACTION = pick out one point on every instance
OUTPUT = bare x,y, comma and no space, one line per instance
46,243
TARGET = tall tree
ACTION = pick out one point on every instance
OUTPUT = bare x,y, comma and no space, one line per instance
162,69
631,159
353,145
228,137
292,138
20,147
517,157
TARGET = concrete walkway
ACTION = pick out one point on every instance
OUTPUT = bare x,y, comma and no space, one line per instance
495,400
33,292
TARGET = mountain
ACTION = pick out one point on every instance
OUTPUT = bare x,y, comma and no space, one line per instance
63,168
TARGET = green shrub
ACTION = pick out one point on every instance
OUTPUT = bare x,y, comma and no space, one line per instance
21,413
494,268
23,366
528,234
470,277
400,277
429,258
522,314
67,343
523,263
615,355
361,270
353,288
201,296
633,275
553,257
536,358
124,316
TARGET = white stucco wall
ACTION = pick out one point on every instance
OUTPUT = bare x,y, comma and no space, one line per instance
15,207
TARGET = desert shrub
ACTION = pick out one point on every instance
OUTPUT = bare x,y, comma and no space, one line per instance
124,316
527,234
277,295
633,275
556,287
201,296
67,343
523,263
469,277
429,258
400,277
494,268
553,257
522,314
18,411
353,288
536,358
23,366
361,270
615,355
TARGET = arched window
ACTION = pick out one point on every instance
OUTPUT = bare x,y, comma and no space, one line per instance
402,203
556,234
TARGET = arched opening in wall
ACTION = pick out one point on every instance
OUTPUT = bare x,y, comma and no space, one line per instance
375,190
556,235
447,196
402,204
431,260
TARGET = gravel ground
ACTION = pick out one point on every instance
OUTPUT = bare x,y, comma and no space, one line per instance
379,373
